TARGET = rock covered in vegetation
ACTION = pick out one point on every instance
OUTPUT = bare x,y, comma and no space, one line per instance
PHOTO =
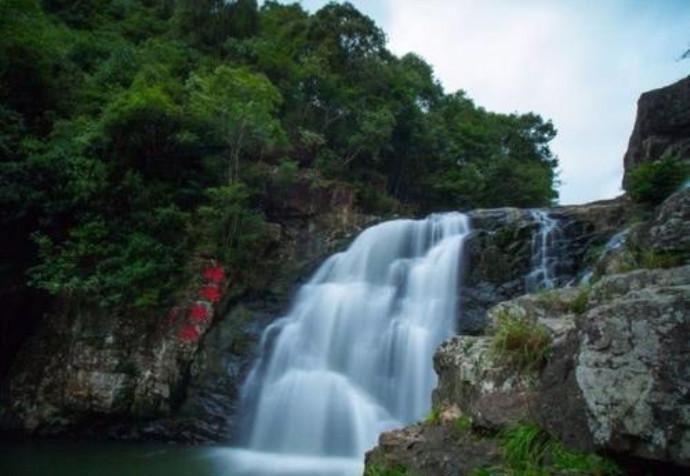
615,378
171,377
662,126
499,251
433,448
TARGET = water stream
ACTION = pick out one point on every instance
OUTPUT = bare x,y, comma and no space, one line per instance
544,259
353,357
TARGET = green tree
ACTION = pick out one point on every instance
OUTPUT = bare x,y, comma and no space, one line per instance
239,108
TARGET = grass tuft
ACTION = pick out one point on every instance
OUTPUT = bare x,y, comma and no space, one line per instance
376,470
579,304
530,451
434,417
462,425
521,342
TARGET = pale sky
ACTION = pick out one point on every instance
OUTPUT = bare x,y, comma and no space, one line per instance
580,63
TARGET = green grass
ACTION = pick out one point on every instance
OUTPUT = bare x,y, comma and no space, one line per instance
579,304
462,425
520,342
651,259
530,451
573,462
376,470
434,417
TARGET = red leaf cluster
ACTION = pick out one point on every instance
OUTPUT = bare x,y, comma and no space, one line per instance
215,274
210,293
198,313
189,333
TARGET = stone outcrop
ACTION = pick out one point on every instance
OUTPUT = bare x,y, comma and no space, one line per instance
616,379
662,126
669,231
174,376
498,253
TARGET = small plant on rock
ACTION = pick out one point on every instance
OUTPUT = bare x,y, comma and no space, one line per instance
462,425
434,417
520,341
530,451
579,304
376,470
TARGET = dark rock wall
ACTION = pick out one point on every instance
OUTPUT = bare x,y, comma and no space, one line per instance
662,126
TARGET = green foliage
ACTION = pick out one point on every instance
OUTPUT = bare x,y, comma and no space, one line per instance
530,451
652,259
573,462
579,304
286,173
520,342
376,470
136,134
652,182
462,425
434,417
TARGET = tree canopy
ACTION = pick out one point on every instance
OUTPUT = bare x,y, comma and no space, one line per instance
137,133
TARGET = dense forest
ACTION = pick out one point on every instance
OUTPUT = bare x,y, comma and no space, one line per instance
137,133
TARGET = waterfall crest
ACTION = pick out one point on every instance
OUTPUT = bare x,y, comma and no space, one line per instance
544,259
353,357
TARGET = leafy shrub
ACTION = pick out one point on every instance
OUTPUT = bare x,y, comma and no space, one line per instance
521,342
651,183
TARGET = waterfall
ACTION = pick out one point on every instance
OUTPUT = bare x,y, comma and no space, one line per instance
353,357
616,242
544,259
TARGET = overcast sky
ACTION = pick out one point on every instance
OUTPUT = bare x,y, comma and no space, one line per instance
580,63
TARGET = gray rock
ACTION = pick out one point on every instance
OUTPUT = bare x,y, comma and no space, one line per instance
662,126
633,370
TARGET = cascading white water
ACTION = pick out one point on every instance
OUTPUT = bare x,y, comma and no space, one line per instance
614,243
353,357
543,273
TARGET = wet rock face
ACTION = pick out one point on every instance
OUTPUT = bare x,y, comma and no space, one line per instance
498,254
174,377
662,126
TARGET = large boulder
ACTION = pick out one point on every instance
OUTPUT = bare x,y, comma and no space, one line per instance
617,378
633,365
662,126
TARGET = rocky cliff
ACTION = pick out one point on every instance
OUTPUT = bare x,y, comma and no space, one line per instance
590,377
602,368
662,126
175,376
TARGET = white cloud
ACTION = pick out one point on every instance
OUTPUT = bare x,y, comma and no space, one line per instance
583,67
582,64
